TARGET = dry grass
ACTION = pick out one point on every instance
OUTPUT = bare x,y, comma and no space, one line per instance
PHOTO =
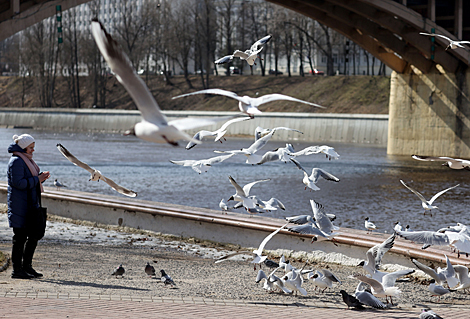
340,94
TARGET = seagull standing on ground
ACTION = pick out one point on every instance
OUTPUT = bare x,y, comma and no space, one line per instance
370,226
249,105
154,126
452,43
223,206
58,184
323,279
95,174
438,290
427,205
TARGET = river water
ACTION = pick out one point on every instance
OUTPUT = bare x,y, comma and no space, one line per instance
369,178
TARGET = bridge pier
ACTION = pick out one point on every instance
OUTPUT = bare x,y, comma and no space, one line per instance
429,114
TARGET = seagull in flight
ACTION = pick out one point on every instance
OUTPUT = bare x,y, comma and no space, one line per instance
242,194
249,55
374,257
427,205
249,105
280,154
219,134
454,163
249,152
312,180
95,174
259,131
154,126
258,257
452,43
327,150
202,166
320,225
440,275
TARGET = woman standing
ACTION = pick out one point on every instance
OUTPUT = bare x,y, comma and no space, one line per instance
24,192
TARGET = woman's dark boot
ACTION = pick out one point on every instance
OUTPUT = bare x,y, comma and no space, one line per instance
29,249
17,261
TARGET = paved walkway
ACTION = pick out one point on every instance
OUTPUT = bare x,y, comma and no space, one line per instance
52,306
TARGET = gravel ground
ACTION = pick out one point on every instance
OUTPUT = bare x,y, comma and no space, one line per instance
86,268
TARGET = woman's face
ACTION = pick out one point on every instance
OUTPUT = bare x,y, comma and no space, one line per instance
30,148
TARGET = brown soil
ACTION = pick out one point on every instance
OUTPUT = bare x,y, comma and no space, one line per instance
339,94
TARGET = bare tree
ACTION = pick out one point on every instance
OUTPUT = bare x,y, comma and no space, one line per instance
40,45
182,49
228,18
206,27
69,61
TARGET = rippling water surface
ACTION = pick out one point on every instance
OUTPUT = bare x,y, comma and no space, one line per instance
370,179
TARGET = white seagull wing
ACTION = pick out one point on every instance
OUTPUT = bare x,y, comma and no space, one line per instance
238,188
126,75
260,249
247,187
118,188
73,159
425,237
224,59
198,137
278,97
235,120
429,271
298,165
421,197
436,35
213,91
318,172
440,193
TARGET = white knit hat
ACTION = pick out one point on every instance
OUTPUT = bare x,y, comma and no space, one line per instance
23,140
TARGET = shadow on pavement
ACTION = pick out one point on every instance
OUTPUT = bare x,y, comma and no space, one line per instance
90,284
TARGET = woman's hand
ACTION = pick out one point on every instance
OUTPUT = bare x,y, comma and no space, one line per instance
43,176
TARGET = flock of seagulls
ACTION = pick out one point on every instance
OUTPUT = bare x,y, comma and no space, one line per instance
155,127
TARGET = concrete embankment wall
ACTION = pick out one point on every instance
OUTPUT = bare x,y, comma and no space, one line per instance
234,228
345,128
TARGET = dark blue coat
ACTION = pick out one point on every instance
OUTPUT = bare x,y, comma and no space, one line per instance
20,183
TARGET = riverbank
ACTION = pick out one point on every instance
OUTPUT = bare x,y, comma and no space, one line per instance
339,94
77,260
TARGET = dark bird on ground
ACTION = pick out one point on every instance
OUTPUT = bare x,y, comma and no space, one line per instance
351,301
166,279
119,271
149,270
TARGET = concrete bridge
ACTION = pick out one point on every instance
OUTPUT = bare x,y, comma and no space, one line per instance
429,102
